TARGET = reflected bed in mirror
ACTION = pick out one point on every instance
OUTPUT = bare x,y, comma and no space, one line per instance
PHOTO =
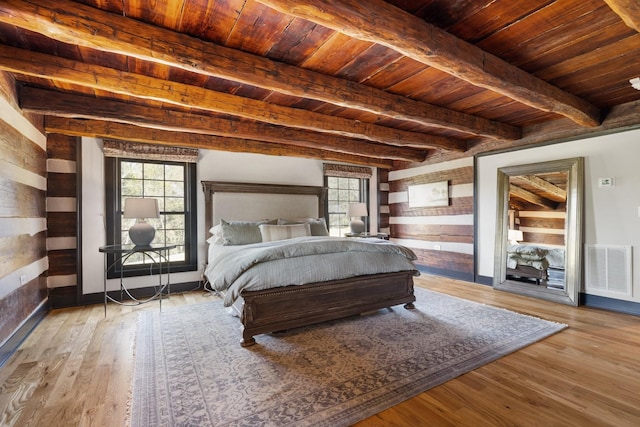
538,238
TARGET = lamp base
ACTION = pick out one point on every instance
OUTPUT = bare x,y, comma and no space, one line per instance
142,233
357,226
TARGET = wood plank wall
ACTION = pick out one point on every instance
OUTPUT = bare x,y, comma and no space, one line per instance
23,185
441,237
62,220
383,201
542,227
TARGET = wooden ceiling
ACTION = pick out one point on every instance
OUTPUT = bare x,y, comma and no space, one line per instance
369,82
542,191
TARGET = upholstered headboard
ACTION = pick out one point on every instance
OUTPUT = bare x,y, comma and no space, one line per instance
246,201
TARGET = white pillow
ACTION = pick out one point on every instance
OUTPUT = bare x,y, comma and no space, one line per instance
281,232
318,225
216,235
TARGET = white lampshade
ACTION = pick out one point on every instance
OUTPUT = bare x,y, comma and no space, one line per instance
515,236
357,211
141,233
141,208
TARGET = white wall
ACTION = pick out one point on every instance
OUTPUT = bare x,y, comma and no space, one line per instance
212,166
93,219
611,214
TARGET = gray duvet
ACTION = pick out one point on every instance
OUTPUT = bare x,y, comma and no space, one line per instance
300,261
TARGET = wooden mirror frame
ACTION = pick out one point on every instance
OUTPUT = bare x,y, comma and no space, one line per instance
573,231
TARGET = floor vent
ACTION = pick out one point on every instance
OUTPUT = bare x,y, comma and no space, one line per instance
608,269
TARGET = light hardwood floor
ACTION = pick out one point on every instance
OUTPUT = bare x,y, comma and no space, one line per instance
75,370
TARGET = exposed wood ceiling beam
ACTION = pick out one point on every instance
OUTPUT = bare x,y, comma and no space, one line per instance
104,129
628,11
550,191
619,118
530,197
74,23
518,204
58,69
47,102
379,22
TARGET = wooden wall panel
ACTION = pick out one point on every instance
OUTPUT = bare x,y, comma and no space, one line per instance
543,239
383,201
61,224
459,206
383,224
63,262
434,232
542,227
20,304
18,200
22,212
31,249
8,89
17,150
543,223
445,261
61,147
383,197
442,236
62,183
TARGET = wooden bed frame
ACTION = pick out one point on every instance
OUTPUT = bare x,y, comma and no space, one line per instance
288,307
528,272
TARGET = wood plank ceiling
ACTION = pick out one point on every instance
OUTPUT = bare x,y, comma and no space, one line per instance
369,82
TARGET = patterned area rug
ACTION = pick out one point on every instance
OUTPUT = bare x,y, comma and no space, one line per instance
191,371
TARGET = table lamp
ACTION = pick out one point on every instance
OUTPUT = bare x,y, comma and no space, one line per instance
357,211
514,236
141,233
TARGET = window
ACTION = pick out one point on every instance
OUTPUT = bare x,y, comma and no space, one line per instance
173,184
346,184
342,191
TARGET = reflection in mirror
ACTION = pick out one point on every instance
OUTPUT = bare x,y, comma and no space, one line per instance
539,230
537,214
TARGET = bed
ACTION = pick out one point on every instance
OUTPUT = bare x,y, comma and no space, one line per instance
543,264
371,273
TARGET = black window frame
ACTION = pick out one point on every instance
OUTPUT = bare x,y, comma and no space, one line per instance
114,219
363,198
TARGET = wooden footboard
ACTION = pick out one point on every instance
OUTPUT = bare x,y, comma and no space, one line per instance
529,272
290,307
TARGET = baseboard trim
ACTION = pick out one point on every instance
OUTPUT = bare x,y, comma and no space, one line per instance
13,342
98,297
484,280
467,277
594,301
610,304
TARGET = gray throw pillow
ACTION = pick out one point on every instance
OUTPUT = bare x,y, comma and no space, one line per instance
241,232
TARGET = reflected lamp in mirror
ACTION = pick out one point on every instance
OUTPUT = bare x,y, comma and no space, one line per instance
514,236
141,233
356,211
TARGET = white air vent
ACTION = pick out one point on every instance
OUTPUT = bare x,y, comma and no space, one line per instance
608,270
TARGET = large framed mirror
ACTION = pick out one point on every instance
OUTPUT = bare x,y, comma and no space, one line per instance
538,246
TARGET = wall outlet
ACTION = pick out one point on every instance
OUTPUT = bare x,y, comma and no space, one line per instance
436,247
23,280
